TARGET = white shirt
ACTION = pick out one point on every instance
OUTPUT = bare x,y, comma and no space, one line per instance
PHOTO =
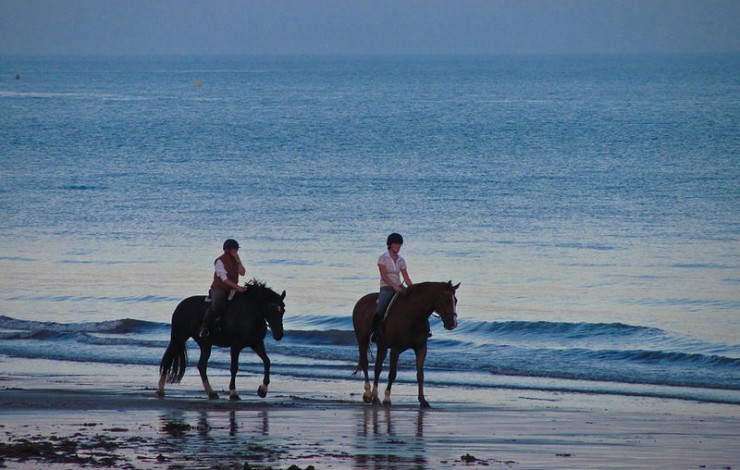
392,268
221,270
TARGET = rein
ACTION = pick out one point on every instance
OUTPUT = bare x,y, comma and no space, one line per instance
390,304
434,306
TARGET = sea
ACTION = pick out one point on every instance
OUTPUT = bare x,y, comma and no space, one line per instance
588,205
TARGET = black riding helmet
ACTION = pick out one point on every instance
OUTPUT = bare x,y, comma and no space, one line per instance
230,243
394,238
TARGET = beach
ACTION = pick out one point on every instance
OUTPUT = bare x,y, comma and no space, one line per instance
65,422
587,204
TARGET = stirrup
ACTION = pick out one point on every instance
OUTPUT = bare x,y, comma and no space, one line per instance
204,332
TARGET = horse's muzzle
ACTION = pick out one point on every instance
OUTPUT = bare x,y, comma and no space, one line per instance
451,325
277,335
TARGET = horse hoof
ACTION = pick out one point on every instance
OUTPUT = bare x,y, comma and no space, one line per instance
262,391
367,398
213,396
235,397
425,404
160,393
386,403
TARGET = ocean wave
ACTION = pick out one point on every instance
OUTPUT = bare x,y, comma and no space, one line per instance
666,357
87,298
70,95
473,355
559,329
82,187
122,326
325,337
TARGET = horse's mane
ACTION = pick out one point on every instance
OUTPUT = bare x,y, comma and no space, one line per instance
259,288
420,286
255,283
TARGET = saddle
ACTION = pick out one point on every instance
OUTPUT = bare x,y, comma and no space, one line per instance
379,323
216,321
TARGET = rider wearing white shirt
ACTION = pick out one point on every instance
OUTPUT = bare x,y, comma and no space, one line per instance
227,269
392,267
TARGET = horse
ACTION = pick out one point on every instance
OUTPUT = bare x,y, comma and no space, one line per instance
243,321
406,327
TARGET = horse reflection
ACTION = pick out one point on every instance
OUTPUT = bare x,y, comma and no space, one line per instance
379,436
176,424
371,422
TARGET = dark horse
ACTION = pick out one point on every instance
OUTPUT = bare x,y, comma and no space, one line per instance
242,324
406,327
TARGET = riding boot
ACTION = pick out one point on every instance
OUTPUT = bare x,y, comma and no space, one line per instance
205,327
374,332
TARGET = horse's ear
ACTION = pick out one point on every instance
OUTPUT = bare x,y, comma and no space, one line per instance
282,297
458,285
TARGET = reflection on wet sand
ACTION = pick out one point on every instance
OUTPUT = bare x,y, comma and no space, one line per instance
380,437
230,434
176,424
259,425
381,446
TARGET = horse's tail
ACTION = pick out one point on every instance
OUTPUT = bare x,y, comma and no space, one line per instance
174,362
369,358
175,358
362,322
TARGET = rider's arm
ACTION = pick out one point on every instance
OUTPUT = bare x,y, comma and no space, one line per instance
406,277
242,269
221,273
234,285
386,279
221,270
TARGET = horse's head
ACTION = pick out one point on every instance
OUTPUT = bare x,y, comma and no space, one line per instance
271,304
274,314
446,306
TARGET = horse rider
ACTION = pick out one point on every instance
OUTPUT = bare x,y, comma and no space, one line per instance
228,267
391,266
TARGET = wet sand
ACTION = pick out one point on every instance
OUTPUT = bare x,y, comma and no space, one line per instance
64,423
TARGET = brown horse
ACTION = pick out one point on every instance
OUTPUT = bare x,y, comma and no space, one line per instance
406,327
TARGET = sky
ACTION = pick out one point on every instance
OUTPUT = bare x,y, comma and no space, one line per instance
364,27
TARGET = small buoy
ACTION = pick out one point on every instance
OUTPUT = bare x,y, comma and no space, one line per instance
17,76
197,84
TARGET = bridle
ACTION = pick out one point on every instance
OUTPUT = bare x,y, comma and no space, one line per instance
453,301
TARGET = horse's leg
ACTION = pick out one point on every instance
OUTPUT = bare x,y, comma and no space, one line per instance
364,345
421,355
205,354
367,397
392,370
362,320
160,386
262,353
234,369
382,351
